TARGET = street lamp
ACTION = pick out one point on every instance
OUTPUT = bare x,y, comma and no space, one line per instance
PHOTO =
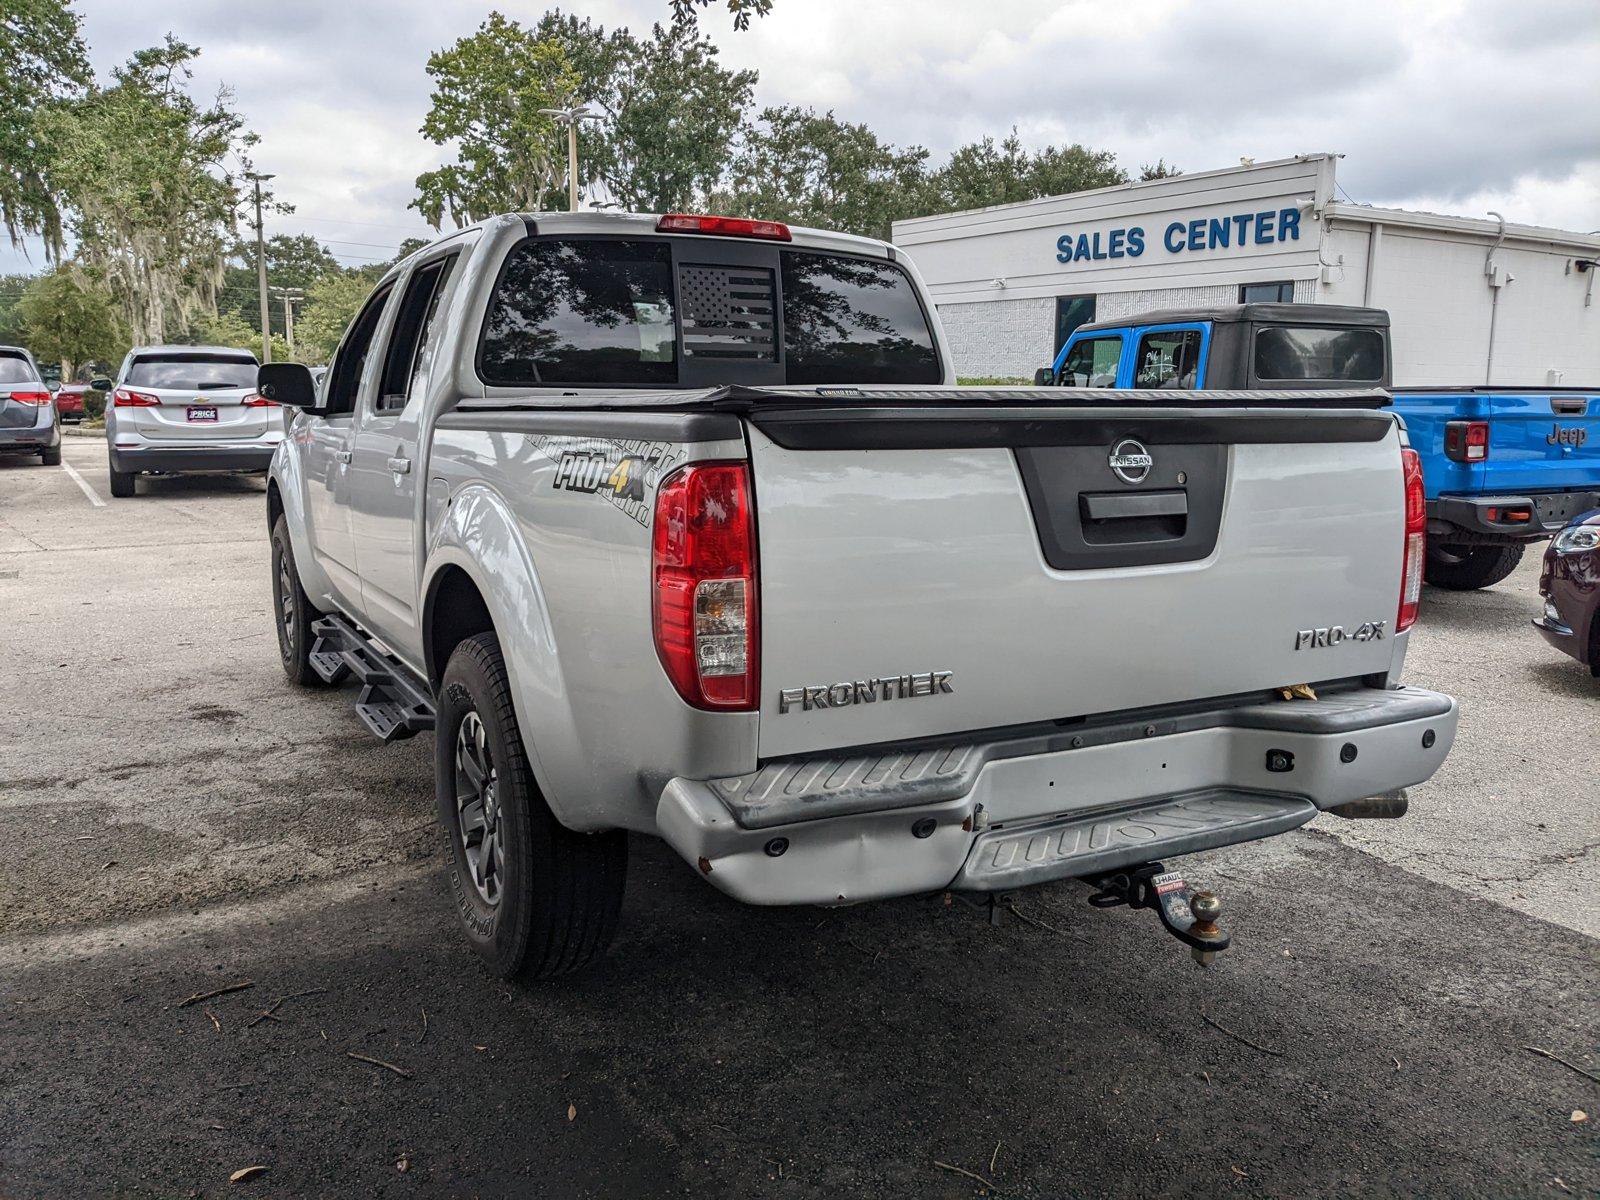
570,118
257,178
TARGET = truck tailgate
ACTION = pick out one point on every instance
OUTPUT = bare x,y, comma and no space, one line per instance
934,571
1542,441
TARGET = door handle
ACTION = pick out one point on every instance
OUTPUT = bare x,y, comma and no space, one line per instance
400,466
342,455
1568,408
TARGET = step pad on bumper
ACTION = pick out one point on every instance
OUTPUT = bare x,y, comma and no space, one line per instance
1089,843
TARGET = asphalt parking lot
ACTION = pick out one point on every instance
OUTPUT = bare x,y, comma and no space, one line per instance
177,820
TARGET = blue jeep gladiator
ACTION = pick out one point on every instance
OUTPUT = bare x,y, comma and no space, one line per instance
1502,466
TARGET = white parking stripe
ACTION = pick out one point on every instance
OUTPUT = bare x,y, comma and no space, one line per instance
88,491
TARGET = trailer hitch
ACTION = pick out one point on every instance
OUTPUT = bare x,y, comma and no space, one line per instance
1191,917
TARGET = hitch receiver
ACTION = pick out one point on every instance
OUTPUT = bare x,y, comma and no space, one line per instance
1191,917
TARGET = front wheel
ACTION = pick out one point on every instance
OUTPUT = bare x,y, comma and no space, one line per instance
1468,568
291,610
536,899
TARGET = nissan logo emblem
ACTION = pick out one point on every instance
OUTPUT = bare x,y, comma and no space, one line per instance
1130,461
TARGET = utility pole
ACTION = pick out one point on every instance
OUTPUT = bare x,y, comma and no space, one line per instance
570,118
288,295
261,270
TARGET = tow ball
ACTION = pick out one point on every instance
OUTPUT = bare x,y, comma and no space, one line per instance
1191,917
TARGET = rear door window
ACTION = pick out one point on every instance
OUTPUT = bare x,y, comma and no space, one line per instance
411,339
1092,363
192,372
853,320
596,311
1306,352
1167,358
15,369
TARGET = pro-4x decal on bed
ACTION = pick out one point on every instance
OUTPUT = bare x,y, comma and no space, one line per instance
623,472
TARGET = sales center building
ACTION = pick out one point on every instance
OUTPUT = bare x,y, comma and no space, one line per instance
1472,300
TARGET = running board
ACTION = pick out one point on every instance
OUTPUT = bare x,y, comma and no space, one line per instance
1094,843
392,704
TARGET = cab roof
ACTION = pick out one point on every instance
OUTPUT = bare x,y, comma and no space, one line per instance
1269,314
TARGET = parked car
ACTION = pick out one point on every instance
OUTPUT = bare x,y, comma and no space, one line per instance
1570,586
69,402
1503,467
29,423
674,525
180,410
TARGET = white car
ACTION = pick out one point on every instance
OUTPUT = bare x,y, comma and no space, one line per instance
186,409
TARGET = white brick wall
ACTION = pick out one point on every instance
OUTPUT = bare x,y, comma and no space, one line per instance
1011,338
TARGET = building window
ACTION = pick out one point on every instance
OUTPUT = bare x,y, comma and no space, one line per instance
1071,312
1281,292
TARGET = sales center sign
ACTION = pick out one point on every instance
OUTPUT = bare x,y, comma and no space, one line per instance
1233,232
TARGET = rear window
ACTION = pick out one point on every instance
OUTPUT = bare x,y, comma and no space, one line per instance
583,312
614,312
1304,352
15,369
192,372
852,320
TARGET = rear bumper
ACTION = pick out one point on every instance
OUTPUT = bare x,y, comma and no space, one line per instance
1483,517
30,439
176,460
998,815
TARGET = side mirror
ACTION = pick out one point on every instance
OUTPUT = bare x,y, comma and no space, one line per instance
289,384
1044,377
54,386
101,384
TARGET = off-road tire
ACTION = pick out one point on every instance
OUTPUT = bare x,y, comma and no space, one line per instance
557,893
121,483
52,456
292,611
1468,568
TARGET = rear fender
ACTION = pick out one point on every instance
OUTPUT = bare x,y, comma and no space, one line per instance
479,534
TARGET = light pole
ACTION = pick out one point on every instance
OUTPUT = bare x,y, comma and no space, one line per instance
289,296
570,118
261,269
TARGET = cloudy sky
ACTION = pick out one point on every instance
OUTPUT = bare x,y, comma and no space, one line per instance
1455,106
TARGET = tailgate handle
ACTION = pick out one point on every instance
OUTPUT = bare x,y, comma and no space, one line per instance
1570,408
1122,506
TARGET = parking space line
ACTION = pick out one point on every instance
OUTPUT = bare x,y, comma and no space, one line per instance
88,491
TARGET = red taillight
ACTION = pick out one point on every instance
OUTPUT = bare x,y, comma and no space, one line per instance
1466,441
39,398
775,231
704,573
257,400
123,398
1415,543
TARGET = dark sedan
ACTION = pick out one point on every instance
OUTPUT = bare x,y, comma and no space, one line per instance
1570,585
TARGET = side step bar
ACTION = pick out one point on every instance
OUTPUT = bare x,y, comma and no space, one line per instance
392,704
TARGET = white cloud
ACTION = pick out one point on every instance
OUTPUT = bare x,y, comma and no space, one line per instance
1452,105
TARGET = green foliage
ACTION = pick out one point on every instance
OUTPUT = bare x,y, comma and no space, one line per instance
293,260
330,305
1157,170
685,13
810,169
487,93
145,167
987,172
67,318
12,288
43,65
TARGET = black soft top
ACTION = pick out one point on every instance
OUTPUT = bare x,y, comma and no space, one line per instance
1275,314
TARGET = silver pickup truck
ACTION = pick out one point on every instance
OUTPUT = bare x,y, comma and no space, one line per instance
676,525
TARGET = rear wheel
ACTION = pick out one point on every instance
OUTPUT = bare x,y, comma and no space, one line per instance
121,483
52,456
292,611
536,899
1467,568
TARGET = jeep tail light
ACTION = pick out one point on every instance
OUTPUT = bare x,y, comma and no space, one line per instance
1466,441
775,231
257,400
39,398
1416,541
703,566
125,398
